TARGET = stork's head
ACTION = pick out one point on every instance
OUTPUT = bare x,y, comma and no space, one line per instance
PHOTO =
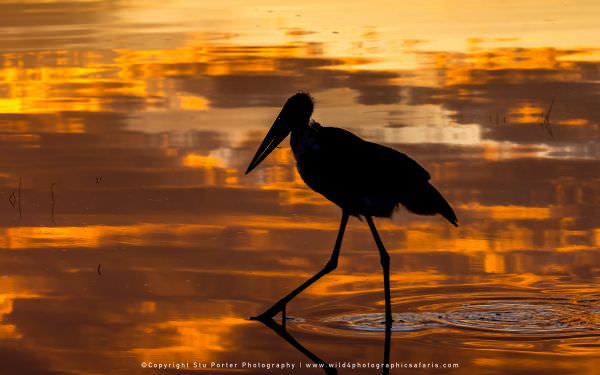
295,113
297,109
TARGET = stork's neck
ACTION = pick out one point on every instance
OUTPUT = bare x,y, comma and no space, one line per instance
304,139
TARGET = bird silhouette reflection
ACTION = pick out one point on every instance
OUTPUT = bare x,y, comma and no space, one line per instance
281,331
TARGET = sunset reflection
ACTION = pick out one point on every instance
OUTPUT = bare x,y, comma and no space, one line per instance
130,232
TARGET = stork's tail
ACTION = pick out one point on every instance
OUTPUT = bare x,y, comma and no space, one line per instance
424,199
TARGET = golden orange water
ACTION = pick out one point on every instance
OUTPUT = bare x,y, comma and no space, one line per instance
130,233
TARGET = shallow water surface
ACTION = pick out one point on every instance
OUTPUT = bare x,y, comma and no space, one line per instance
130,234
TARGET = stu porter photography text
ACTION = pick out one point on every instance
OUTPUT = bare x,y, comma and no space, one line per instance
296,365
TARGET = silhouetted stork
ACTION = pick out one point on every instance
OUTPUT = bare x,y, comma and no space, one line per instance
364,178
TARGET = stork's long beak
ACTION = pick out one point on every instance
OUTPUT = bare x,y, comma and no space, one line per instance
279,130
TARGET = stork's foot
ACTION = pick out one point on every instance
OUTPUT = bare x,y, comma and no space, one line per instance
270,313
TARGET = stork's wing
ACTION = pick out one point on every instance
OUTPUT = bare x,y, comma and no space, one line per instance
366,167
367,177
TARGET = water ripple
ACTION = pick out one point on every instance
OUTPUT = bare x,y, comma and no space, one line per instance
376,322
546,318
541,318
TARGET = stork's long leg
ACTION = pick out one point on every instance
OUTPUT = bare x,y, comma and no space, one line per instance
384,258
279,306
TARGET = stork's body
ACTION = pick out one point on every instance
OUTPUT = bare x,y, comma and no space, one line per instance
363,178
